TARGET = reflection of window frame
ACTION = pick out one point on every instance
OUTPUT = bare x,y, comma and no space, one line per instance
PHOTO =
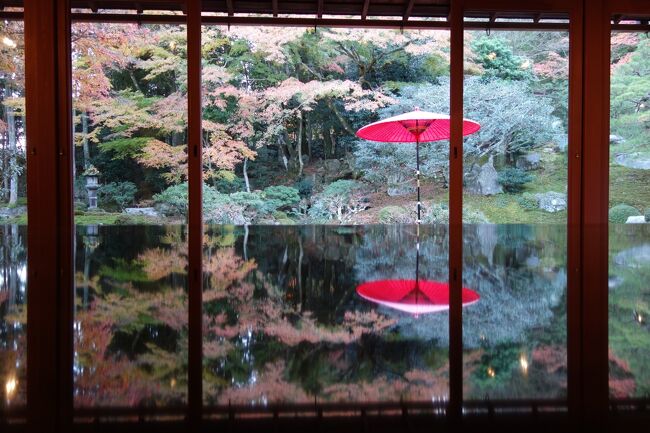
49,183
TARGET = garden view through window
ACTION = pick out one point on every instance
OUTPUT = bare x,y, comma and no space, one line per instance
13,218
515,215
319,282
629,210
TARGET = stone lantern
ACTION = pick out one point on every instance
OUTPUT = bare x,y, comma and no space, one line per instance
92,184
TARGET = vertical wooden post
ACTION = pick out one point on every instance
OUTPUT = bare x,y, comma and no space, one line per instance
51,227
574,268
594,237
456,215
195,214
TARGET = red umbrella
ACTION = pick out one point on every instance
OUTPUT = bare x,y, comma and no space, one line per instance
413,296
414,127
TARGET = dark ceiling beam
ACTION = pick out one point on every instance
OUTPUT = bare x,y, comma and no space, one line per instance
275,8
230,7
364,11
321,6
408,10
314,22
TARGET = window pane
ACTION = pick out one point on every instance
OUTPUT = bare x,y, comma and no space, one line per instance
130,114
13,218
629,202
514,214
311,256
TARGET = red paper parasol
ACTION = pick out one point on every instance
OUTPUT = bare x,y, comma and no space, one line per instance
414,127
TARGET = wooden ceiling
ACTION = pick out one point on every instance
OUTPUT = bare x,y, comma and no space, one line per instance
396,9
404,9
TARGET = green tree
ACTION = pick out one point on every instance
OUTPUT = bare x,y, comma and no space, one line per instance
498,61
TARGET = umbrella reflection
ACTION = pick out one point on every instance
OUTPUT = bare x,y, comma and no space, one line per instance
413,296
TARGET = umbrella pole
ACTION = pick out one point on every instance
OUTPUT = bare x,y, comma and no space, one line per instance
417,171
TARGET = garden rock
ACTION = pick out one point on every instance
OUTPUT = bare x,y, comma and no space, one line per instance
332,165
614,281
616,139
633,160
639,219
12,212
529,161
400,189
552,201
146,211
483,180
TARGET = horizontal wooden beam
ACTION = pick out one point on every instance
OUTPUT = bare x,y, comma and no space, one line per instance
518,5
629,7
322,22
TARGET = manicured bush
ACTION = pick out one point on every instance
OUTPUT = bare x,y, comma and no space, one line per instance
435,213
116,195
340,200
621,212
305,186
501,200
513,179
281,197
439,213
228,185
394,215
528,201
173,200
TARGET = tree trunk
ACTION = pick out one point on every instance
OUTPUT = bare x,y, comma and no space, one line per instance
327,145
134,81
309,137
340,117
282,152
332,141
299,144
86,149
248,185
13,162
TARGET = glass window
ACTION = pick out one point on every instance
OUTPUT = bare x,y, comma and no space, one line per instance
514,215
318,283
629,211
13,217
130,122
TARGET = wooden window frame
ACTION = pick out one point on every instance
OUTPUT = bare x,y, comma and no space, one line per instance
51,217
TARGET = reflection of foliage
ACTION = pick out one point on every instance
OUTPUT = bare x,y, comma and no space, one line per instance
277,328
123,270
495,365
629,310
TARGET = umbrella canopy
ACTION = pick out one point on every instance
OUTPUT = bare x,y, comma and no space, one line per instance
414,126
411,296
